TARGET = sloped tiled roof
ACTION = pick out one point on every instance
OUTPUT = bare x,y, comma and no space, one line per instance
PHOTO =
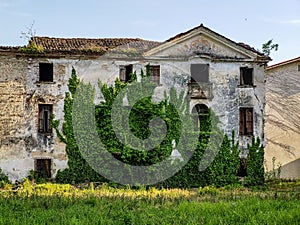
8,48
90,45
100,46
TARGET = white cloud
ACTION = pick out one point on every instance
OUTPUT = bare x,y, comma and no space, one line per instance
291,21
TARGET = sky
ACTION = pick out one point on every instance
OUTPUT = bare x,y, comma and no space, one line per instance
253,22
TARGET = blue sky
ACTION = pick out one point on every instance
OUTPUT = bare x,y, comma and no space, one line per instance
253,22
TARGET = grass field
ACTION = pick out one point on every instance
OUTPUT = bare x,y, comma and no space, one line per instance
65,204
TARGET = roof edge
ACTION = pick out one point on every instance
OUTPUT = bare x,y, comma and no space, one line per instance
243,45
283,63
239,45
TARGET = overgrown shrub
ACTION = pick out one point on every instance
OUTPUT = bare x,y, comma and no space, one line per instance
79,170
212,143
255,163
32,48
3,179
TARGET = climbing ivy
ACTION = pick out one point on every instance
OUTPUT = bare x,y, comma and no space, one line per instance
212,142
79,170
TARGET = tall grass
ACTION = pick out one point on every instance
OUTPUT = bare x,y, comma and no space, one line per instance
65,204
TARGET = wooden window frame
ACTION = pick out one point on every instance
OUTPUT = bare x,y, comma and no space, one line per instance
43,167
246,121
44,126
155,73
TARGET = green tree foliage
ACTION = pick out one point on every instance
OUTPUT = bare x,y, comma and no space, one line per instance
79,170
3,177
269,46
255,163
211,144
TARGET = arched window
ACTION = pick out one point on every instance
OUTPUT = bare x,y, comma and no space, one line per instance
199,112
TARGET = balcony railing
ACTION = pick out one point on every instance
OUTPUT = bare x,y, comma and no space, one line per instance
200,90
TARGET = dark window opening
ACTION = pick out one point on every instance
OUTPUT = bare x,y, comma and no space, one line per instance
45,112
246,121
246,77
199,73
126,73
46,72
298,67
155,74
43,168
200,114
242,171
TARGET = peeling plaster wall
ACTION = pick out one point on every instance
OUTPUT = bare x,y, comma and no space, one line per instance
227,94
282,120
12,120
20,94
22,144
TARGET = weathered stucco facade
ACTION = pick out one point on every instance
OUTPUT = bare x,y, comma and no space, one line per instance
233,86
21,93
282,118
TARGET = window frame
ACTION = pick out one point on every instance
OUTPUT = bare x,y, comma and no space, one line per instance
44,126
155,73
246,122
243,72
125,73
199,112
43,167
194,69
44,74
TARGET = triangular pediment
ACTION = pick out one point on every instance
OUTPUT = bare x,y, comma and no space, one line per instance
202,42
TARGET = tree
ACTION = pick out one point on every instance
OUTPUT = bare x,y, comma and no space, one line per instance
269,46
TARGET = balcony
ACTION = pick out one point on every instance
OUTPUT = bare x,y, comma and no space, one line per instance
200,90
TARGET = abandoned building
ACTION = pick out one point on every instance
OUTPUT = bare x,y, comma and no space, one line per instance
33,81
282,118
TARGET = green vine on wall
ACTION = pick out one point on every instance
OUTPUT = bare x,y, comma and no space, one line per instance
221,172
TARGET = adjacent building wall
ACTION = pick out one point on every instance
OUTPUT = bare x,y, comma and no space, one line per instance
282,119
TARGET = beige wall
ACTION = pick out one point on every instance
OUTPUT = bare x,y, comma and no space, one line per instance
20,94
283,119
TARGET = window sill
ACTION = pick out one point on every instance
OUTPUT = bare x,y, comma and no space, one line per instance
246,86
202,82
45,82
246,135
46,134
